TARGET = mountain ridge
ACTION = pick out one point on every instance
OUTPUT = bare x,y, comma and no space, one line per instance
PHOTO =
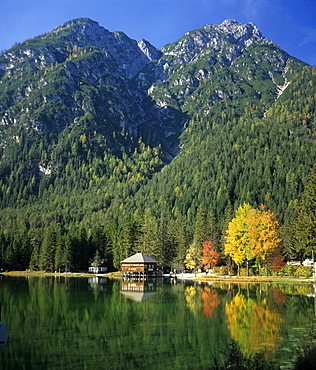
102,132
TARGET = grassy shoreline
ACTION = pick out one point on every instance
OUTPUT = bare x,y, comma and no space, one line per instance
64,274
203,278
256,279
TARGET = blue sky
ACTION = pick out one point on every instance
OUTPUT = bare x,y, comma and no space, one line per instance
289,23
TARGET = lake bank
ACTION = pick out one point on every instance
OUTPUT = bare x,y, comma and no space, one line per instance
197,277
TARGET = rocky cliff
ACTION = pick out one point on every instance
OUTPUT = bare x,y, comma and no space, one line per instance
82,74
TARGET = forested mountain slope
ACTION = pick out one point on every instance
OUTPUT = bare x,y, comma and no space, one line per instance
110,145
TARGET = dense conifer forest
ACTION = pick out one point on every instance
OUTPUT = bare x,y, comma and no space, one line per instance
96,187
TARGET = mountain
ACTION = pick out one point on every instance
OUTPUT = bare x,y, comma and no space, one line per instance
105,140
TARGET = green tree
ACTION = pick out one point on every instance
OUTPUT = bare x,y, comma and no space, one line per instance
212,227
200,227
127,238
179,240
147,239
305,231
48,248
96,261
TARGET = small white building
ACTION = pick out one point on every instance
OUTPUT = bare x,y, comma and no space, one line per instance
99,267
309,263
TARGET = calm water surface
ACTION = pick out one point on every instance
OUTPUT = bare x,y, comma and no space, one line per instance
98,323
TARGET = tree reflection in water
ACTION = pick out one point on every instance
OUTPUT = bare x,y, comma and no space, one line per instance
211,301
253,325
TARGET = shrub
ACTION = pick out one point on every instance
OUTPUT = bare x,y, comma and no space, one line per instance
221,270
291,270
304,271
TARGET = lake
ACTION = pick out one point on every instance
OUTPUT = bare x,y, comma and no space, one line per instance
99,323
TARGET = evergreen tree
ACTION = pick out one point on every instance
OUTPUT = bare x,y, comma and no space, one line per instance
305,231
147,240
127,239
67,254
48,248
179,241
212,227
164,250
200,227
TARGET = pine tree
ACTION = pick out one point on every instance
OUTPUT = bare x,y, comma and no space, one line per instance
35,256
305,231
147,240
179,241
212,227
47,251
127,238
164,250
200,227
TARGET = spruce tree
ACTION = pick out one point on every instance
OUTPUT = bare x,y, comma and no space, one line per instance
306,219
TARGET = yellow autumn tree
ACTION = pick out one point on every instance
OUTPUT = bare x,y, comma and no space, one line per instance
237,238
263,231
193,257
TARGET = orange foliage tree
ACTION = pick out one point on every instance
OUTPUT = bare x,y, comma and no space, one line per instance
210,256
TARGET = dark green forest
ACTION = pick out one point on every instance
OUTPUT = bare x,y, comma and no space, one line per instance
69,194
94,201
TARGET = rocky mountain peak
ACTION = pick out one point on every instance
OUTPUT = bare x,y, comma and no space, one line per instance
150,51
81,70
213,36
241,34
85,32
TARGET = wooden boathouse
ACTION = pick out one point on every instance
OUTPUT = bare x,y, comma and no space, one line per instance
139,266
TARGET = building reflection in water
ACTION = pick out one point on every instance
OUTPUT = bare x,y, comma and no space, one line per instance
97,283
138,290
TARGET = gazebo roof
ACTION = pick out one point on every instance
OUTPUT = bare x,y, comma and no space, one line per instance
139,258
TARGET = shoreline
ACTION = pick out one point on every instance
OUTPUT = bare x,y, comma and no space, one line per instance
198,277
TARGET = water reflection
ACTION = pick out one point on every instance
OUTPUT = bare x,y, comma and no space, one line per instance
3,331
78,323
253,325
3,334
211,300
138,290
97,283
202,298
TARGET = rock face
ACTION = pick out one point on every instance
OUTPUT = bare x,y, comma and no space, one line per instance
82,74
225,56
